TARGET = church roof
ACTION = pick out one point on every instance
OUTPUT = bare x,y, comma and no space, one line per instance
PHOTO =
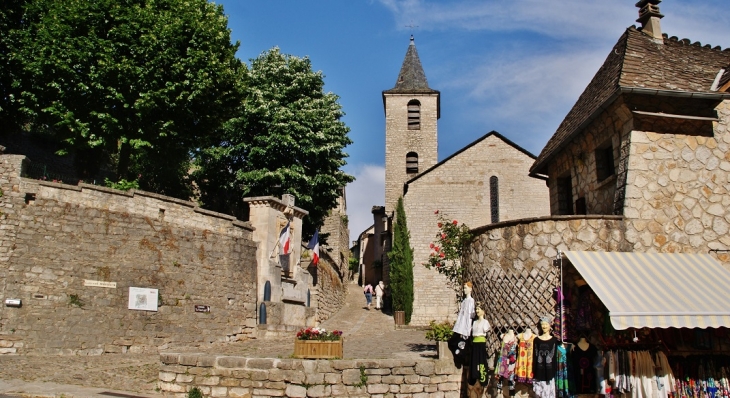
637,64
478,140
412,78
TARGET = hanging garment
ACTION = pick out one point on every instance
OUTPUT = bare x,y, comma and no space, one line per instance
561,375
544,359
506,363
523,368
478,363
585,377
544,389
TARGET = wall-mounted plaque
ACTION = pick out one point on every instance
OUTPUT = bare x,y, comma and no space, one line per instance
143,299
88,282
202,308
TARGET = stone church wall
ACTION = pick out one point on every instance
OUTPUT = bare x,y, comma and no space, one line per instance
56,237
330,290
459,189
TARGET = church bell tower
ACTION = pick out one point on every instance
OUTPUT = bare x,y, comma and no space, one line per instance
411,133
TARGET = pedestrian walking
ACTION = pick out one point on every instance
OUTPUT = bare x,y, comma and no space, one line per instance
379,295
368,290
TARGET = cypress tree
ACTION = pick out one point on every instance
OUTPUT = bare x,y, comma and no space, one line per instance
401,264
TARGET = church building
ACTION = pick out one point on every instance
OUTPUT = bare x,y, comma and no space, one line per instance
483,183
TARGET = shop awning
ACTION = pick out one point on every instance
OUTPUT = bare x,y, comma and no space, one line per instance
657,290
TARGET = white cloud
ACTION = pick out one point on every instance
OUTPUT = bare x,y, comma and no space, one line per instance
565,18
366,191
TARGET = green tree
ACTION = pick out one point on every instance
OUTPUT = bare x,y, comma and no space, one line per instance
11,12
138,83
401,264
288,138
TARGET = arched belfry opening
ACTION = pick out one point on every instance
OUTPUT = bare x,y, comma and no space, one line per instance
414,114
412,163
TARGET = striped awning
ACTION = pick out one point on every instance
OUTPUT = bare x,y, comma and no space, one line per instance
657,290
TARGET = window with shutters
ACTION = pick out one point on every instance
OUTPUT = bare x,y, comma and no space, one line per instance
494,198
411,163
414,115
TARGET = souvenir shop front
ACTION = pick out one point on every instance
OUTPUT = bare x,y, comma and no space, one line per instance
645,324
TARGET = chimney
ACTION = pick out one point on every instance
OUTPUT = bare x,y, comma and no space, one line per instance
649,17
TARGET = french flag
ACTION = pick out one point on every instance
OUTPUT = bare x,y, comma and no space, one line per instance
285,240
314,246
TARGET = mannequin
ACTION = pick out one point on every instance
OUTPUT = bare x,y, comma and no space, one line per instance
462,327
523,369
544,360
505,368
582,358
478,364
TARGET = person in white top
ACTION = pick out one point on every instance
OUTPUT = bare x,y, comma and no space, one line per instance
379,295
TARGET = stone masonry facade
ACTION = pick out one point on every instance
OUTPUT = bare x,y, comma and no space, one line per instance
399,141
71,253
673,188
239,377
460,189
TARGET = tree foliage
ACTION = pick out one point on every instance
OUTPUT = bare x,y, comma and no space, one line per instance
288,138
138,83
401,264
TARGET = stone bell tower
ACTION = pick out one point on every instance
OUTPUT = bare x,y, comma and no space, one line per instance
411,133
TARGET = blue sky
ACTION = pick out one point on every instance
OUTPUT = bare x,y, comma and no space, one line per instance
515,66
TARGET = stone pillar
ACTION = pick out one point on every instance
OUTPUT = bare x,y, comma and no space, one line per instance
268,215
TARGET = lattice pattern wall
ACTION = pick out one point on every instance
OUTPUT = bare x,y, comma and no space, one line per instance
513,298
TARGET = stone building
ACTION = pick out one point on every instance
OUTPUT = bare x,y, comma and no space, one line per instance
641,164
484,182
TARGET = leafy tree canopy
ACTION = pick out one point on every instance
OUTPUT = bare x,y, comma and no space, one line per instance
126,81
288,138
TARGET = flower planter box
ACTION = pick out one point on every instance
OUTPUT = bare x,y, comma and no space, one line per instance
317,349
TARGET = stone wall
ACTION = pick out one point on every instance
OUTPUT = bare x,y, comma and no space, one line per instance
399,140
238,377
71,253
578,162
511,264
678,190
330,291
338,243
459,188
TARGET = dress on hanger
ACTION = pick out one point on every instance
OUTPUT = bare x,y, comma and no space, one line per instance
523,368
585,374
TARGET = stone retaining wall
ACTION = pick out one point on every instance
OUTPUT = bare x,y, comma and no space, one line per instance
56,237
512,263
238,377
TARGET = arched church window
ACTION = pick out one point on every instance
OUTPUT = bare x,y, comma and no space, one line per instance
494,198
414,115
411,163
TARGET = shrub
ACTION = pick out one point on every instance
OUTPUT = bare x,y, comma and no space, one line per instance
439,331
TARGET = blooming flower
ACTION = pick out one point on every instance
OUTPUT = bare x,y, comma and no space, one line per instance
455,222
436,212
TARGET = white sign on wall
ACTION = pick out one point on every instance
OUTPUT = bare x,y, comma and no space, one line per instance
143,299
88,282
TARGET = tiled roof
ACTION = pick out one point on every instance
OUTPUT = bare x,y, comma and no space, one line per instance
636,62
412,78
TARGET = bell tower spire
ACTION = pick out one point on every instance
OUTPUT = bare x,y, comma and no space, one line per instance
412,110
